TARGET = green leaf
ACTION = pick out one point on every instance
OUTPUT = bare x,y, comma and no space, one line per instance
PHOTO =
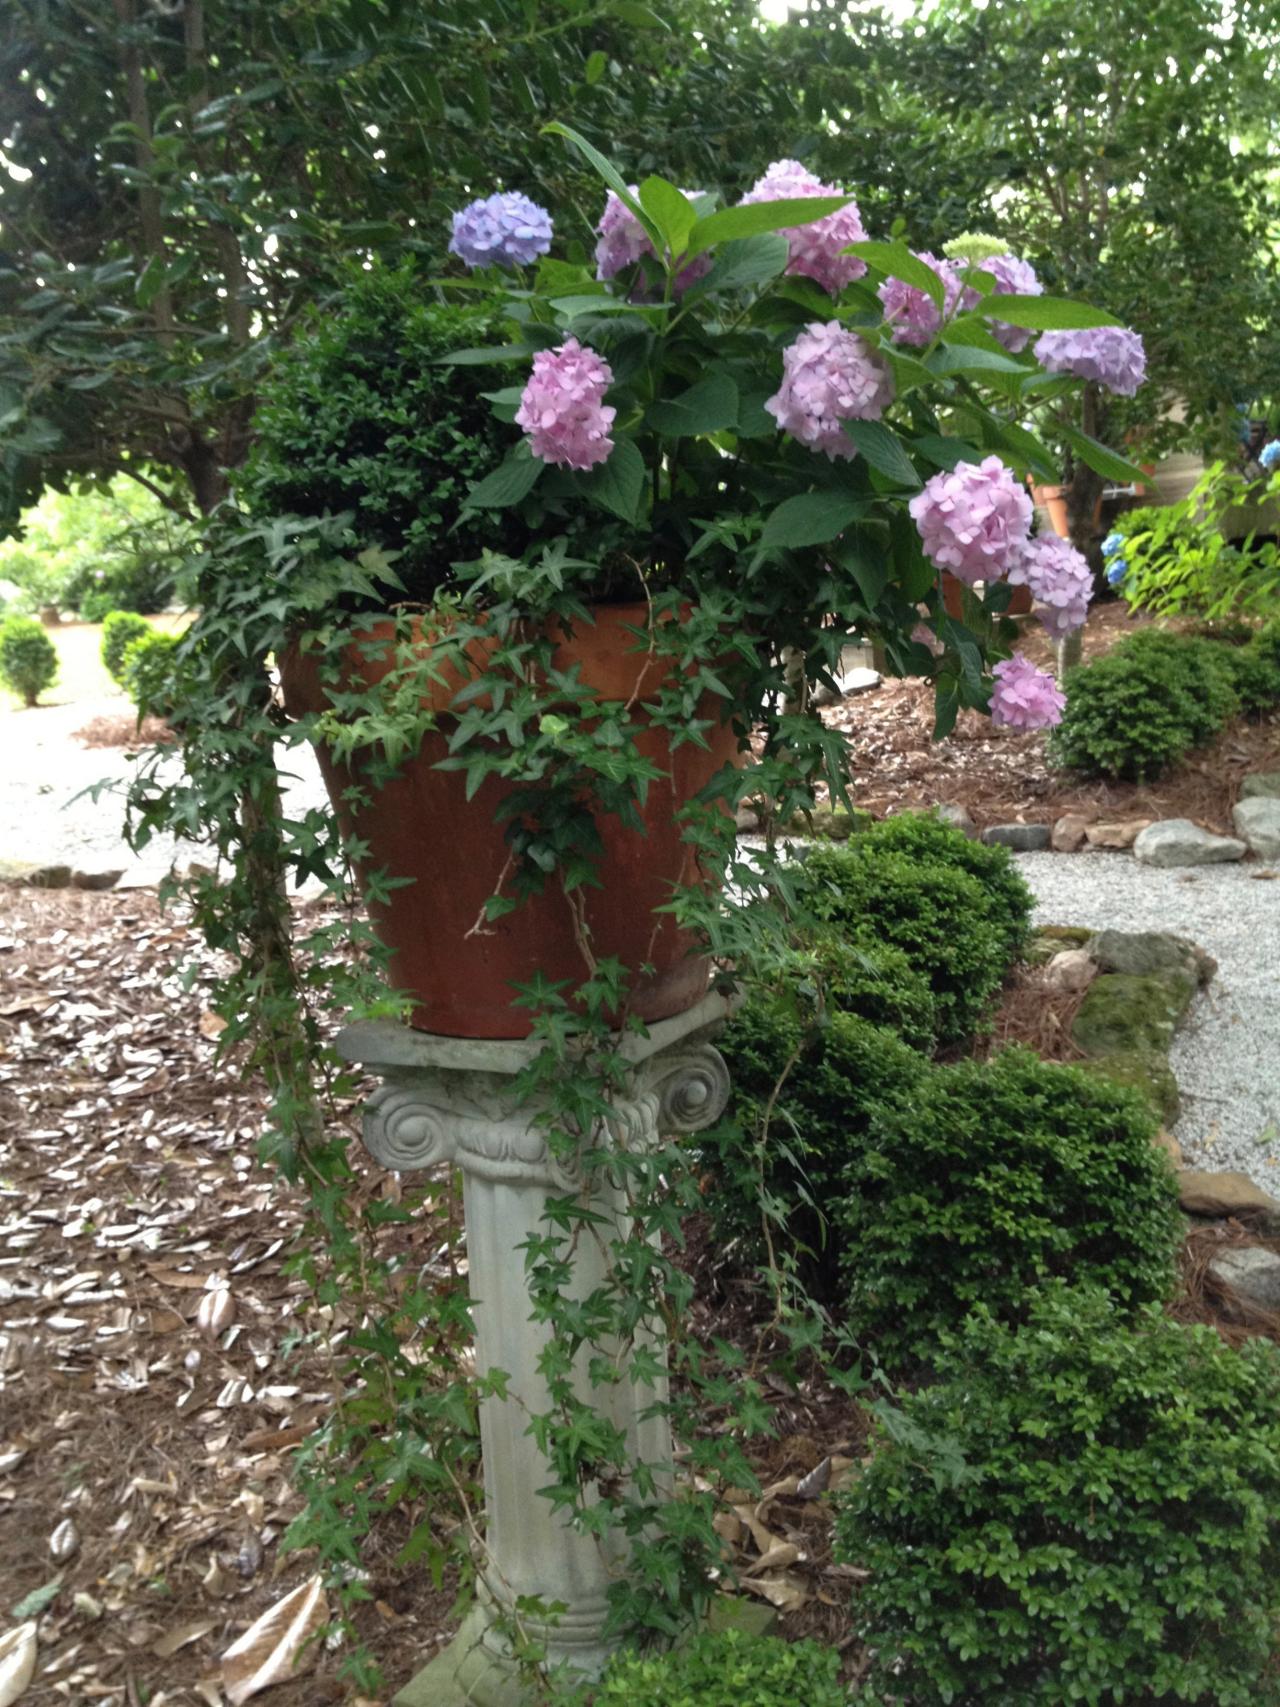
595,67
640,17
1045,313
710,406
618,484
967,358
883,450
1100,459
747,261
813,518
495,353
758,217
511,481
944,452
609,173
33,1604
1024,447
151,281
671,211
898,262
573,307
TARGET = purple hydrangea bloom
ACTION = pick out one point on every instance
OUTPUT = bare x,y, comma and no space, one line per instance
830,376
1024,697
815,248
1014,277
562,408
973,519
505,230
622,241
911,314
1111,355
1059,579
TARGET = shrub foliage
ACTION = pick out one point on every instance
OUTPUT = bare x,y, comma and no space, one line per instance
727,1669
120,630
28,658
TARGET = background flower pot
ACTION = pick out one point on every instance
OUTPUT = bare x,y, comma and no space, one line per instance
1053,499
953,598
421,826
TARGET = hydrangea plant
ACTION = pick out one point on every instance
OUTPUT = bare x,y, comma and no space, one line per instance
757,404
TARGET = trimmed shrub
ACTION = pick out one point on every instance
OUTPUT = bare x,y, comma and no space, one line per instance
120,629
148,674
1084,1509
927,838
1255,675
996,1176
939,916
725,1669
872,981
28,658
1138,709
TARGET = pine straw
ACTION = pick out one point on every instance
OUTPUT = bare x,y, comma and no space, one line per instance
1035,1016
124,731
1204,1297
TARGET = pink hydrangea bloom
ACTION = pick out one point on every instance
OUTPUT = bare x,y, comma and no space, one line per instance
973,519
1024,697
1059,579
912,314
1112,355
815,248
830,376
1014,277
562,408
623,240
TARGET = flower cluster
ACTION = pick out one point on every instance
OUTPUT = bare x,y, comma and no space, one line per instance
815,249
1117,568
562,408
911,314
973,519
505,230
1111,355
1059,580
1024,697
830,376
623,240
1269,455
1014,277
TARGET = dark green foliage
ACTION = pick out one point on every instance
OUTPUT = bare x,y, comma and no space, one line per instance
1255,674
727,1669
1084,1509
805,1099
1010,902
998,1175
874,981
1143,705
28,659
149,674
359,416
120,629
142,582
940,917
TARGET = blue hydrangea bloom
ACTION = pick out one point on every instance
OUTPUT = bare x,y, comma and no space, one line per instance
505,230
1112,543
1117,569
1269,455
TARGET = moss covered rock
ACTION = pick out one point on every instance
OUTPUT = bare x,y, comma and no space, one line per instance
1145,1071
1048,940
1123,1013
1146,954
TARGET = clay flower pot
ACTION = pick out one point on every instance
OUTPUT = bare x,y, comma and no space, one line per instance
421,825
953,598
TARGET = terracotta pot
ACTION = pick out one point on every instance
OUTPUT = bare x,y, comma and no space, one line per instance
953,590
422,826
1054,500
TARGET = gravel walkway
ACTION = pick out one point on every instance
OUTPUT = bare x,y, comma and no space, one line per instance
1227,1057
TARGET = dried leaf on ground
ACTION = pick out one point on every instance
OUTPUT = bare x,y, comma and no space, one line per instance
274,1648
17,1662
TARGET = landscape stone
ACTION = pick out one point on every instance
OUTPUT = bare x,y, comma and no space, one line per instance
1146,1071
1048,940
34,875
1071,969
1257,820
95,879
832,823
1261,785
1227,1193
1068,833
1177,841
1144,953
748,822
858,680
1021,838
1116,835
1169,1144
1251,1271
1122,1013
958,817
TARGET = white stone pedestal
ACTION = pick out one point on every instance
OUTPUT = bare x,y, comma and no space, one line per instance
449,1100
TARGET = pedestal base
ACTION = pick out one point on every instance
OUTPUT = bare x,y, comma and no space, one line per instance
466,1674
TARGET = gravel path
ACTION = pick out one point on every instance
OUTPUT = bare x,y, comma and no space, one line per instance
1227,1057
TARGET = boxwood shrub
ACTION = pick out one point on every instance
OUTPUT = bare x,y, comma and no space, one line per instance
1084,1508
926,838
727,1669
120,630
996,1176
28,658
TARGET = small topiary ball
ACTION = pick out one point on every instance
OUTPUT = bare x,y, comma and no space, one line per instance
28,658
1085,1508
996,1176
149,674
726,1669
926,837
120,629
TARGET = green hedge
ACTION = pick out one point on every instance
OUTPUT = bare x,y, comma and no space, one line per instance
28,658
120,629
729,1669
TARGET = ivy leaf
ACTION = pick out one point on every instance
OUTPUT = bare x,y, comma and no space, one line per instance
511,481
710,406
813,518
618,484
883,450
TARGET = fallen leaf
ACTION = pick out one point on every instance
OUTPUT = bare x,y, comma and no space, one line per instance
217,1312
780,1554
816,1482
270,1649
65,1540
33,1604
179,1638
17,1661
783,1591
211,1024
